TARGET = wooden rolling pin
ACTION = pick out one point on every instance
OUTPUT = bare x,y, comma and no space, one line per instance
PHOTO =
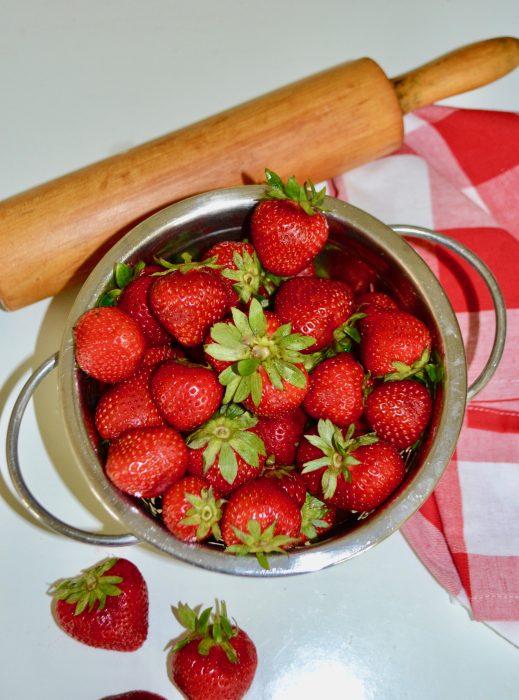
317,127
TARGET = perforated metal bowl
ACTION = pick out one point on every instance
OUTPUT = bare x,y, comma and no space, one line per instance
199,222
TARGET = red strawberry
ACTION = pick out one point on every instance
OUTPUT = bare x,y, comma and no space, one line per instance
335,390
340,264
282,435
109,344
290,481
350,473
226,450
375,301
188,299
399,411
287,229
216,660
156,354
135,695
316,518
264,364
315,306
186,394
260,518
394,342
191,511
146,461
127,405
134,300
105,607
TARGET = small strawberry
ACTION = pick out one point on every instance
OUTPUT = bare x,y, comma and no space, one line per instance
146,461
340,264
260,518
109,344
191,511
264,363
226,451
241,271
399,411
188,298
316,518
394,343
127,405
335,390
105,607
315,307
135,695
282,435
215,660
186,394
349,473
287,228
134,300
290,481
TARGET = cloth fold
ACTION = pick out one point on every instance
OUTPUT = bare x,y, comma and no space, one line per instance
458,172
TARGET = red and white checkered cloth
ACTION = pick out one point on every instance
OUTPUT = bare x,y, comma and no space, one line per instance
458,172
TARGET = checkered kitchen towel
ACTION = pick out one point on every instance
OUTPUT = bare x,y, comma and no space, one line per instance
458,172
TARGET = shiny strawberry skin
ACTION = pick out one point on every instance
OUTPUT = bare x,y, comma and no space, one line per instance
156,354
392,336
285,237
246,472
146,461
224,252
134,301
274,402
122,625
399,411
335,390
291,482
282,435
127,405
265,502
213,676
175,507
315,306
187,395
188,303
109,345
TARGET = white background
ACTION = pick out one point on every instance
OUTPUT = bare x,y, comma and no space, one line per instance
81,81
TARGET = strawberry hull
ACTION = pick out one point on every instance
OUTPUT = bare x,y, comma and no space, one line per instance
201,222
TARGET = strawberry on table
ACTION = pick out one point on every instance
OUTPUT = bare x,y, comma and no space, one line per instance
335,390
106,606
260,518
264,366
188,298
287,228
226,450
186,394
315,307
191,511
146,461
109,345
215,660
399,411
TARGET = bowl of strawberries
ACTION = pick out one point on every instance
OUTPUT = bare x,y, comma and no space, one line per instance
263,380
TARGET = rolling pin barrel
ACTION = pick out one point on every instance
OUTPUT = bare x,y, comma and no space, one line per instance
318,127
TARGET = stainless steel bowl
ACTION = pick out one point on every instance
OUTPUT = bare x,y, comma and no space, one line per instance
196,223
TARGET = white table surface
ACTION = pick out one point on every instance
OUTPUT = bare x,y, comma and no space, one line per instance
82,80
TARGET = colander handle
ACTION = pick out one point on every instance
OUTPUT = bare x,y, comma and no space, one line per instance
493,287
28,500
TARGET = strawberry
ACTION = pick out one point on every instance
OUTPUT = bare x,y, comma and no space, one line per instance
281,436
106,606
135,695
316,518
264,364
127,405
260,518
188,298
335,390
215,660
186,394
226,450
290,481
146,461
344,265
287,228
349,473
134,300
109,344
241,271
394,343
191,511
315,306
399,411
155,354
375,301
